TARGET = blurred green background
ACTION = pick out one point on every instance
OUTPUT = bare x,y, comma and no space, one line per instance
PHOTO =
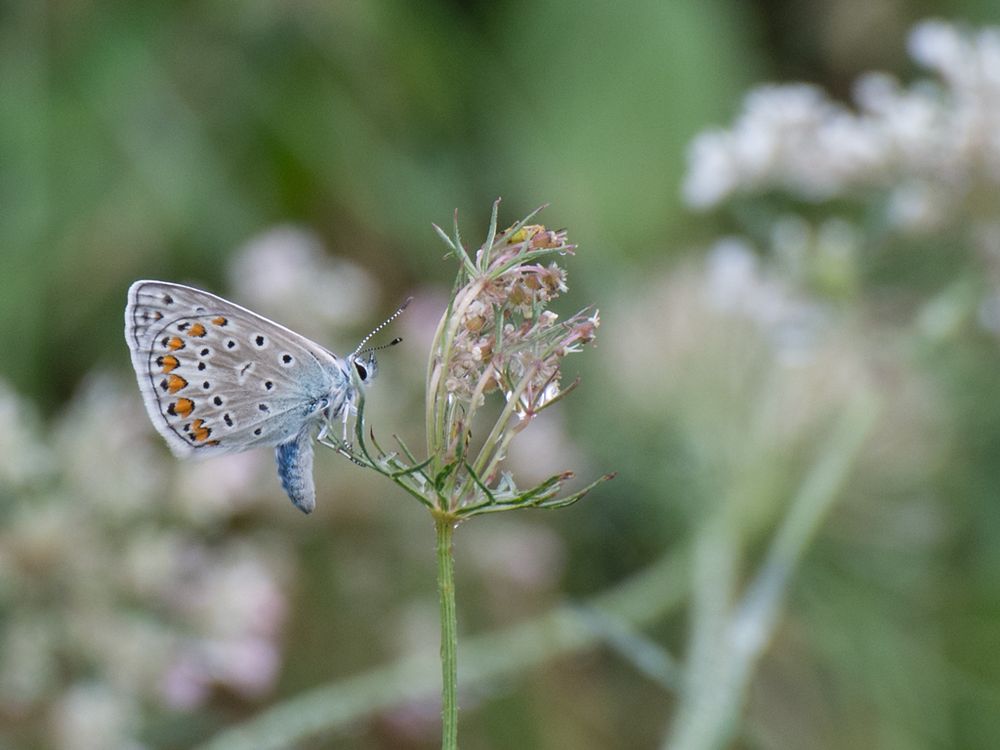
149,604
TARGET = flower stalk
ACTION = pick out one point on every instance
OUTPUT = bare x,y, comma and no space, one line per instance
497,339
445,528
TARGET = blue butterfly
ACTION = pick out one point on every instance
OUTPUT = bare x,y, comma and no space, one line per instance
217,378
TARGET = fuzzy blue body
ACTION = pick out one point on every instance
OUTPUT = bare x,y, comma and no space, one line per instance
295,469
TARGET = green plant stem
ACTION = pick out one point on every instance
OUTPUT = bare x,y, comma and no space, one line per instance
646,597
724,656
445,526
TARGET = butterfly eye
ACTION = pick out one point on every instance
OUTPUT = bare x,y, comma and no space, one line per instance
367,369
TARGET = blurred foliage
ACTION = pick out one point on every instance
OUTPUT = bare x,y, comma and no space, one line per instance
162,140
151,139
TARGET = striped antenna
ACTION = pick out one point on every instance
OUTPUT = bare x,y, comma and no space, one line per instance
397,340
379,327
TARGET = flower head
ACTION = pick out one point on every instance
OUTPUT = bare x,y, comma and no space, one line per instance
497,339
929,145
499,336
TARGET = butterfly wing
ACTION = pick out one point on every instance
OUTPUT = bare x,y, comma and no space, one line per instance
217,378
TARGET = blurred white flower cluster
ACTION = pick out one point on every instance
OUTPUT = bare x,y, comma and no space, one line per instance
930,145
736,284
740,372
718,322
121,596
285,273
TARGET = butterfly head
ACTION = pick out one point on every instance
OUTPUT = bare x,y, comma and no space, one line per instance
365,365
362,361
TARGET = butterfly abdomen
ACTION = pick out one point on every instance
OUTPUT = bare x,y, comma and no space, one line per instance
295,465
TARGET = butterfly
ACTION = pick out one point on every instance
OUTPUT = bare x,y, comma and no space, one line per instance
217,378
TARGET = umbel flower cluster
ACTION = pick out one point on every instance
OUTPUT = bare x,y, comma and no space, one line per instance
477,364
496,338
928,145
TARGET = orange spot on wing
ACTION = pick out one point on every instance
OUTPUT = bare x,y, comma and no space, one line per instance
168,363
196,330
176,383
198,432
182,407
219,321
175,343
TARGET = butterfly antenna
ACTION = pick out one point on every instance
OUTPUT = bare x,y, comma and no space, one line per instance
397,340
379,327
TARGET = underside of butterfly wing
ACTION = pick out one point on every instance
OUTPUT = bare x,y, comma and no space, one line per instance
217,378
